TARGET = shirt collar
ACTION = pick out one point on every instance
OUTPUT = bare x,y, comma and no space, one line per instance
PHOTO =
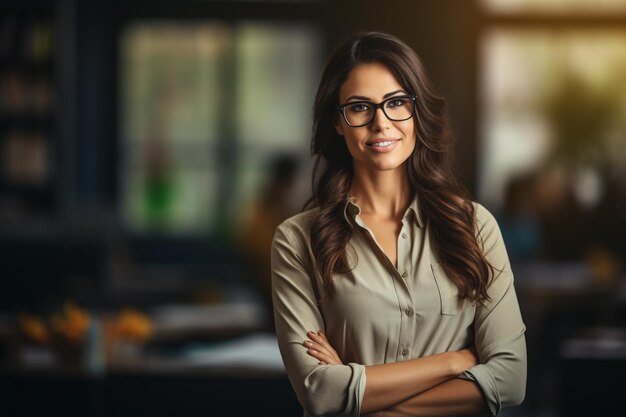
414,208
352,210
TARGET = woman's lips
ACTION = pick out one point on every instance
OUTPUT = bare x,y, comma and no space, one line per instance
383,145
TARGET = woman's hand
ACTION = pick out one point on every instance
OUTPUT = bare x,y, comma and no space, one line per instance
319,347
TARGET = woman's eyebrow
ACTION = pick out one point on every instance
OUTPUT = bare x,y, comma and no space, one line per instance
368,99
393,93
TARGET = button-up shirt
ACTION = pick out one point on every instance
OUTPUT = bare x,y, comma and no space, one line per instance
381,313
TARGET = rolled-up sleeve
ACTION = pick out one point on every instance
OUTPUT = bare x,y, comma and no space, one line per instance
321,389
498,326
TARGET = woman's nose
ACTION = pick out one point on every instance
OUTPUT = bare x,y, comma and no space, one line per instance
380,121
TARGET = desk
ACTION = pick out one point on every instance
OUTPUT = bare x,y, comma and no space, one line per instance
137,393
556,300
199,384
238,376
592,368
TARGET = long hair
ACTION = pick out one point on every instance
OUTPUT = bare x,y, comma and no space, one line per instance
444,205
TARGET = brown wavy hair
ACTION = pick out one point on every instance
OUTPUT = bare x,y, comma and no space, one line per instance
444,205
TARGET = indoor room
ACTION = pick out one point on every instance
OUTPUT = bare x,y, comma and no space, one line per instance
150,149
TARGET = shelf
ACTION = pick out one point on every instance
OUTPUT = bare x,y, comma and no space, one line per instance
28,118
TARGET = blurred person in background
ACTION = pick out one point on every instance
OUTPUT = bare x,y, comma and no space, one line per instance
394,293
519,221
274,203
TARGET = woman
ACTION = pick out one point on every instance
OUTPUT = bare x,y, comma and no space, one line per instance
394,293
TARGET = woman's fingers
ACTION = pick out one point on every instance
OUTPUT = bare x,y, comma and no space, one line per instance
319,337
317,347
322,348
321,356
325,358
321,340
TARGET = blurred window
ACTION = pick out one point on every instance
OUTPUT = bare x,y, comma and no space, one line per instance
204,105
552,99
552,127
554,6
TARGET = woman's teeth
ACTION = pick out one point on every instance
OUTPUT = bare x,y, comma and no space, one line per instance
382,144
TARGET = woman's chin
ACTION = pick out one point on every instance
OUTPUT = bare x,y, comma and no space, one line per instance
385,166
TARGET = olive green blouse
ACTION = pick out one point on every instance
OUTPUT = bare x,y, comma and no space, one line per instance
383,314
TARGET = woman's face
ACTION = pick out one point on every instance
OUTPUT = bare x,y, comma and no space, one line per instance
383,144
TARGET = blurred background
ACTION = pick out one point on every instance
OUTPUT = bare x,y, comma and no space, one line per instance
148,149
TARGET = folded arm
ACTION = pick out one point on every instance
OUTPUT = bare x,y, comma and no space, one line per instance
453,398
321,390
401,383
498,327
340,389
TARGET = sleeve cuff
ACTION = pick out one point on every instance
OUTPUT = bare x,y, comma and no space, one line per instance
481,375
359,384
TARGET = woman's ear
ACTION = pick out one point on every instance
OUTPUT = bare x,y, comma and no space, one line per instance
338,128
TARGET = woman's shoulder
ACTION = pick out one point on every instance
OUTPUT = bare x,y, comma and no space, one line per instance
486,227
298,226
483,216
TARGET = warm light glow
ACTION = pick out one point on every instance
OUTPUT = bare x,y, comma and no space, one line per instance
550,97
554,6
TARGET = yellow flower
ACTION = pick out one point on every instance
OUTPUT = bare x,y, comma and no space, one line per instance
34,328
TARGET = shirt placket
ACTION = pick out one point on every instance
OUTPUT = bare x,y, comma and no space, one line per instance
401,276
404,271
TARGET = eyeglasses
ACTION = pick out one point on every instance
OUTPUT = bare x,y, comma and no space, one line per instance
361,113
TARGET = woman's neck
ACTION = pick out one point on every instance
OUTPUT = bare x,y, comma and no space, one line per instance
384,194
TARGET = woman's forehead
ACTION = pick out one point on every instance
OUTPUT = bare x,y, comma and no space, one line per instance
371,81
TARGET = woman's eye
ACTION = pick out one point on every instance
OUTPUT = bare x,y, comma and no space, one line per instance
398,102
360,107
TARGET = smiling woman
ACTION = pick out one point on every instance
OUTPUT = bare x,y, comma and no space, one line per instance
394,292
371,135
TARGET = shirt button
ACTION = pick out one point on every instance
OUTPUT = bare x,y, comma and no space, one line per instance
404,235
405,352
405,274
408,311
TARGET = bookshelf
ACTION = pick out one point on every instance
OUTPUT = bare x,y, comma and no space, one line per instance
28,112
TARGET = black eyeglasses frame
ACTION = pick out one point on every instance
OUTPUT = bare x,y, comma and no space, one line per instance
376,106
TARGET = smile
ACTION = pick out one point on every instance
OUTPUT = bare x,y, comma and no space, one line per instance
383,145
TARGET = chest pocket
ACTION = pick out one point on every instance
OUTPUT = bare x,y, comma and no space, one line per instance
448,292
